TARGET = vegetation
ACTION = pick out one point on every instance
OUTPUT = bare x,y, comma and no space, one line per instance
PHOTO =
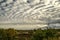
47,34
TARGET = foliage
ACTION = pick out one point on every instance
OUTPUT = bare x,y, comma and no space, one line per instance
12,34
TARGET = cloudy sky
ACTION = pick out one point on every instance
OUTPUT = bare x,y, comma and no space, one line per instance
28,12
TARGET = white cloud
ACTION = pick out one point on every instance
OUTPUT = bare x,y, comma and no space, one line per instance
20,11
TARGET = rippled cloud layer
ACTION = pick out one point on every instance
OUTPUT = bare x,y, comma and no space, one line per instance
29,11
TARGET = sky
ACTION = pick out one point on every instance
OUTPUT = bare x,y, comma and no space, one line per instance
28,12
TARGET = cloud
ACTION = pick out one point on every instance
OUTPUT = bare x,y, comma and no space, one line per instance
28,11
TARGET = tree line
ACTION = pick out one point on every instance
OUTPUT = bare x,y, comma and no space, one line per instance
47,34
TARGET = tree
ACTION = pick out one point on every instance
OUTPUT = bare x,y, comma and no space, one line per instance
11,34
3,35
38,35
50,33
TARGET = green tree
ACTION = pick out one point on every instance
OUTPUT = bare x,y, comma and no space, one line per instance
38,35
3,35
50,33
